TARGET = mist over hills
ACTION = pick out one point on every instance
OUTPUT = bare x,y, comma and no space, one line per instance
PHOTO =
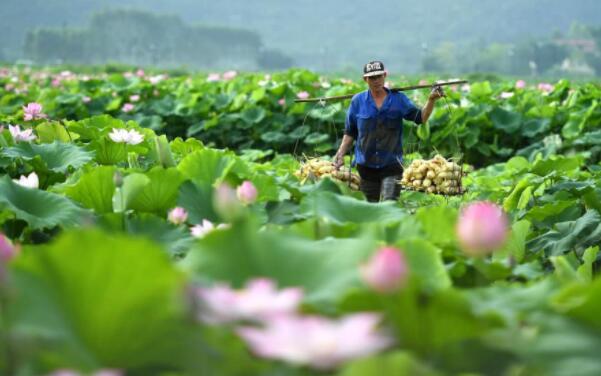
330,35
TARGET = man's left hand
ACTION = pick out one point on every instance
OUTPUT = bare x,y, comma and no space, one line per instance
436,93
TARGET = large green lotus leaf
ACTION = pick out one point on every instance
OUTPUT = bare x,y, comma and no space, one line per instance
160,194
505,120
95,189
97,299
198,202
325,113
54,131
567,236
324,268
543,211
582,301
439,224
40,209
559,164
206,166
516,243
425,263
182,148
133,184
553,345
426,321
267,187
533,127
57,156
92,128
578,121
480,90
343,209
511,302
109,152
253,115
175,239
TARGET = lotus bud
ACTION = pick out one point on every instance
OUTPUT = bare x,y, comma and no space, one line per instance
482,228
247,193
178,215
386,271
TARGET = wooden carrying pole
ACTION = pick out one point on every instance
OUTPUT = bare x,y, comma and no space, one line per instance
406,88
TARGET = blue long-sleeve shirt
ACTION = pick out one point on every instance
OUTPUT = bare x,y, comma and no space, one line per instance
378,134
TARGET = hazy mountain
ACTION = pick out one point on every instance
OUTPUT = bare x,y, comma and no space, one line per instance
330,34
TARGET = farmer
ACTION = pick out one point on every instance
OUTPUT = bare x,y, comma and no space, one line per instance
375,119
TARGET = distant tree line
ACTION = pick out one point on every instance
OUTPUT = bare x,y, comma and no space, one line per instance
144,38
579,52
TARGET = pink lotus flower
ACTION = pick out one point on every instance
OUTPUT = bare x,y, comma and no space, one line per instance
178,215
33,111
466,88
202,229
302,95
56,82
247,193
422,82
140,73
282,102
259,300
9,87
520,84
482,228
386,271
545,87
212,77
127,107
229,75
128,74
18,135
315,341
131,137
29,181
134,98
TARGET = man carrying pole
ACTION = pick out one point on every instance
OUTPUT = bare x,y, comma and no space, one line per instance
374,120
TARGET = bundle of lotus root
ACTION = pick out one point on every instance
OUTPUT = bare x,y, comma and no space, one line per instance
316,168
436,175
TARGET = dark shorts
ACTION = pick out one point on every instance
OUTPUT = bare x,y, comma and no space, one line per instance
371,182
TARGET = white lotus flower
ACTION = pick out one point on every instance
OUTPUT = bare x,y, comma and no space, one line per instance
21,135
131,137
30,181
200,230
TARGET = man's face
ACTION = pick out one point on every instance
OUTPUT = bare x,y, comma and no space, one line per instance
375,82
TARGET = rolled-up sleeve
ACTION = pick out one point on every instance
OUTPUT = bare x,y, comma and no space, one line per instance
411,113
350,126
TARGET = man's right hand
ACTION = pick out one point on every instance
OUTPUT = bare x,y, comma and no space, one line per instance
338,161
